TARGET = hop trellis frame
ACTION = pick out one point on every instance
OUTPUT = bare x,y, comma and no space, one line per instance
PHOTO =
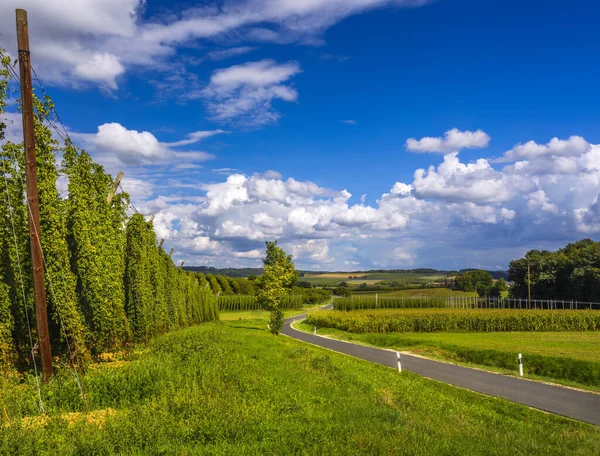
108,283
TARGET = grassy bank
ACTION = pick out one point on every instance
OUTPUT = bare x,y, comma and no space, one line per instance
232,388
571,358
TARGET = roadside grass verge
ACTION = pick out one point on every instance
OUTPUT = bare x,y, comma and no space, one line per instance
569,358
232,388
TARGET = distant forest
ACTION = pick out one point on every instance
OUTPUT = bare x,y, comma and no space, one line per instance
245,272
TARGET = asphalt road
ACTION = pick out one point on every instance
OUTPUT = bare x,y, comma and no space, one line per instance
554,399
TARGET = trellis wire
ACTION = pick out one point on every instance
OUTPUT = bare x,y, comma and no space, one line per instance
37,380
459,302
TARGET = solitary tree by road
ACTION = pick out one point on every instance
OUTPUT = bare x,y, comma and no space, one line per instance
277,279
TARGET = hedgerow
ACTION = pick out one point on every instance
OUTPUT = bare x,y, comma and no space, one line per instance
456,320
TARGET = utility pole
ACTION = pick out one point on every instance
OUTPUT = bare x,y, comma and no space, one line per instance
39,287
528,286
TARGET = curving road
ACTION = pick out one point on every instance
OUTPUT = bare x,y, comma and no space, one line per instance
554,399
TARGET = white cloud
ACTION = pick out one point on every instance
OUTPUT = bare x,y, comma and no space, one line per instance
244,93
193,138
113,142
456,181
101,67
575,146
453,141
349,122
97,41
252,254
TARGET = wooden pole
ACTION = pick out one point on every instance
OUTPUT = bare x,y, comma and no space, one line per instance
528,286
171,252
181,265
39,289
151,219
115,187
161,243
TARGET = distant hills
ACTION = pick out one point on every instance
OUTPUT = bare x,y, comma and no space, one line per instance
245,272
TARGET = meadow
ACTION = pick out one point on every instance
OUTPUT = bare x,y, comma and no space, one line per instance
233,388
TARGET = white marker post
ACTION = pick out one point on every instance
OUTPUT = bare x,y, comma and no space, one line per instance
399,364
315,330
520,365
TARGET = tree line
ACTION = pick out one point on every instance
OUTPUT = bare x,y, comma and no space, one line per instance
572,272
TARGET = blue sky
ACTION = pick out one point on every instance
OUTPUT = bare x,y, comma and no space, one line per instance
240,122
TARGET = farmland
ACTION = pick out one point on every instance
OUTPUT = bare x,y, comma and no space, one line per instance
456,320
370,278
232,388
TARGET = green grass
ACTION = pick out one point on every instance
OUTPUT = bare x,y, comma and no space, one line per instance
571,358
232,388
264,314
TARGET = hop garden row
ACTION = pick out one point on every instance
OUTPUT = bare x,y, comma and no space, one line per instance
107,282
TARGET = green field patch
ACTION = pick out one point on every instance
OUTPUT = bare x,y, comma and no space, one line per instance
233,388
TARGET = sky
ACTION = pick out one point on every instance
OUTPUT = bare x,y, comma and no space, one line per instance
360,134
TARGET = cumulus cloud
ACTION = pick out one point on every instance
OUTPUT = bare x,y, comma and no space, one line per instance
448,215
244,93
575,146
132,147
453,140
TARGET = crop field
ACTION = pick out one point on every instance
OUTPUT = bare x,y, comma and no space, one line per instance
571,358
440,292
333,279
233,388
455,320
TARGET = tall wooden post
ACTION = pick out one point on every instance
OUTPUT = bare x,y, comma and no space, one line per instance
39,288
528,286
171,253
161,243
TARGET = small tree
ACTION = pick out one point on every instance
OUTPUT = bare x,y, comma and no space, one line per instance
277,279
498,288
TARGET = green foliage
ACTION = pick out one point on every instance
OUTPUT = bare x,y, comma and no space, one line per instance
96,241
160,296
224,284
278,277
104,283
344,291
477,280
572,272
456,320
214,284
498,288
